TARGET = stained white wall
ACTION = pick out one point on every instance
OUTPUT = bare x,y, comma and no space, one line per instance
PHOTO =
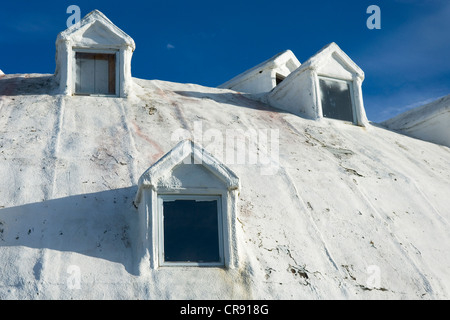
342,200
435,130
296,94
429,122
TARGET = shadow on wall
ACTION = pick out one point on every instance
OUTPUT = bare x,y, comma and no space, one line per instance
27,84
96,224
234,98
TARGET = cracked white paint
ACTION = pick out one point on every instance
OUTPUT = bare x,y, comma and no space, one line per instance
344,198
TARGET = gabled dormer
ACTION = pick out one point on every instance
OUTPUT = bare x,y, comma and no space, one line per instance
187,204
328,85
93,57
265,76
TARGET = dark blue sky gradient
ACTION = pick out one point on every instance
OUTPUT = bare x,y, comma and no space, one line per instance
406,63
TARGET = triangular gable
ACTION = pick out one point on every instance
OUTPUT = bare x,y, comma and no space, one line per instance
96,28
331,52
328,55
186,149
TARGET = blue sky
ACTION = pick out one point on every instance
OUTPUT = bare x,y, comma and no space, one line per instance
406,62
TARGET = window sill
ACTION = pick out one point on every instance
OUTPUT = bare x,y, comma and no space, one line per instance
96,95
192,265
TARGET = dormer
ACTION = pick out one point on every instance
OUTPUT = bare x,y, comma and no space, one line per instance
93,57
187,204
328,85
265,76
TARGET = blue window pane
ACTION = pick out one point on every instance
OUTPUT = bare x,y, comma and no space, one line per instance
191,232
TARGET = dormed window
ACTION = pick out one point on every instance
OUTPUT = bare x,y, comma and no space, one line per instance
336,97
93,57
190,230
187,206
327,85
95,73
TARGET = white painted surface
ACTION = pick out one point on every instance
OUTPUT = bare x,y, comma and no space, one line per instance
334,67
262,78
296,94
345,201
430,122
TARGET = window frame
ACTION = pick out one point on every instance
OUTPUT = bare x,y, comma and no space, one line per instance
351,91
221,219
96,51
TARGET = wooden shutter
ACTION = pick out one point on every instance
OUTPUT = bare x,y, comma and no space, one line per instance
95,73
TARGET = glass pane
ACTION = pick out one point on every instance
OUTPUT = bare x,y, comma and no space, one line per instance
191,232
336,99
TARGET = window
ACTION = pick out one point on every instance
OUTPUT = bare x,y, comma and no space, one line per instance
336,98
95,73
279,78
190,230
